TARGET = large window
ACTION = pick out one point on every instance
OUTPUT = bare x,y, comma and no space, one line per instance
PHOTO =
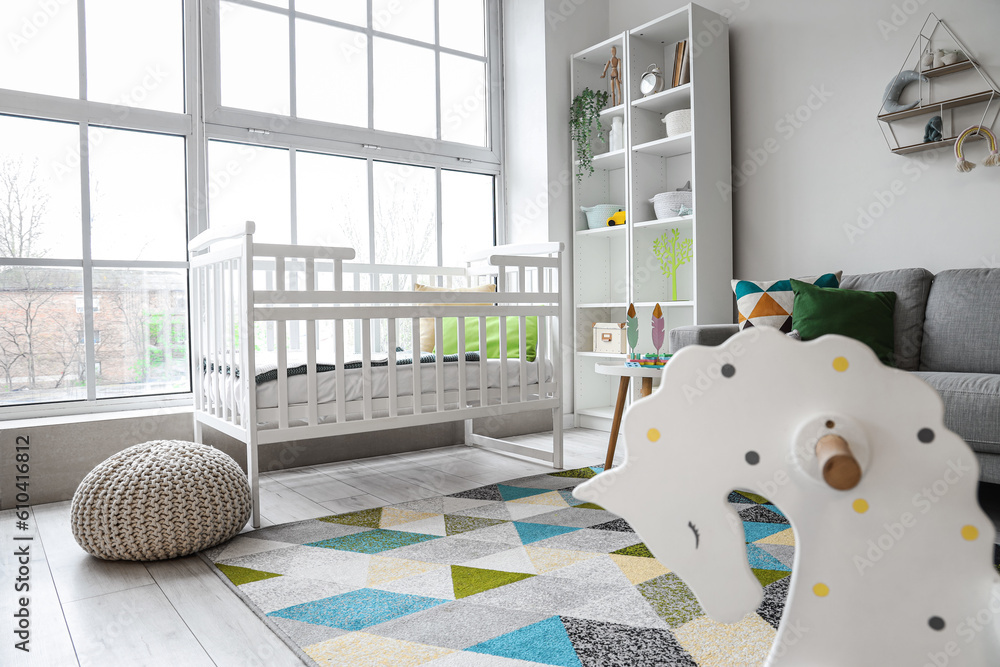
126,128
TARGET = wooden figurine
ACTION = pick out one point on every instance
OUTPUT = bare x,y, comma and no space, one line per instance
616,79
892,553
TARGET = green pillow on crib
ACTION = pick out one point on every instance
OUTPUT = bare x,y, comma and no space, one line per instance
450,326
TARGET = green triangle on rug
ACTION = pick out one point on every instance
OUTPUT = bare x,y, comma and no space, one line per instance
517,492
455,524
766,577
545,642
364,518
754,497
584,473
471,580
635,550
244,575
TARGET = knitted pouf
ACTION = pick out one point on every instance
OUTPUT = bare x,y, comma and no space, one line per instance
161,499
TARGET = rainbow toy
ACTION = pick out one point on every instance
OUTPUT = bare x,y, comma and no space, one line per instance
992,160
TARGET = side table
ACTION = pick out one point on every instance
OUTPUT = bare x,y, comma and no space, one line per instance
626,373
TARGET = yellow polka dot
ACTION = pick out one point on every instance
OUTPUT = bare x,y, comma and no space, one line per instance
860,505
840,364
970,532
653,434
821,590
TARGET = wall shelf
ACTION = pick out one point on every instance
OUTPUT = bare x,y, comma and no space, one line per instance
944,143
948,69
943,105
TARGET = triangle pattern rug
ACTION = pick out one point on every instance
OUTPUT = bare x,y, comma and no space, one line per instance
519,573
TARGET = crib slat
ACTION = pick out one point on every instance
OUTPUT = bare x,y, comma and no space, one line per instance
439,362
282,374
462,402
310,274
366,366
234,314
313,399
484,397
502,288
391,324
522,368
338,330
542,341
197,375
417,386
216,338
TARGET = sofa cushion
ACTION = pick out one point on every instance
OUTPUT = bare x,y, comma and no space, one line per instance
971,406
911,287
768,303
962,322
863,316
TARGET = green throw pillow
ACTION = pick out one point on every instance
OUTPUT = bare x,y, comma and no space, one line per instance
863,316
450,331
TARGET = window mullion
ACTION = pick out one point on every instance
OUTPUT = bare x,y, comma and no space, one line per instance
437,79
292,195
293,99
371,208
371,69
88,276
81,39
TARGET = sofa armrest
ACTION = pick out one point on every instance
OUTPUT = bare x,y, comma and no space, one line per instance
704,334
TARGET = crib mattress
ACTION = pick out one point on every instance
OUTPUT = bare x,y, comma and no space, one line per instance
326,383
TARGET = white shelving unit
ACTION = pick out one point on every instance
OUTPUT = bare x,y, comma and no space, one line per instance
615,266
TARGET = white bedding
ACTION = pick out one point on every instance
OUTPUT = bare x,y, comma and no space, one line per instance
326,383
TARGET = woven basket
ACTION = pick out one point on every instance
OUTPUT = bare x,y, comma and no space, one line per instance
667,204
158,500
678,122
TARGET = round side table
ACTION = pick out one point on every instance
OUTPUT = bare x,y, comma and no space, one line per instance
626,373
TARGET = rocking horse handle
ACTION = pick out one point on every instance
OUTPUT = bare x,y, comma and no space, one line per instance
840,469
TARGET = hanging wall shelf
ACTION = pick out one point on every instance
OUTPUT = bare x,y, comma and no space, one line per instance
927,106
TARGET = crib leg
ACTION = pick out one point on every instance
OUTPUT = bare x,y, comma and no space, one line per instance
557,438
254,477
468,433
199,434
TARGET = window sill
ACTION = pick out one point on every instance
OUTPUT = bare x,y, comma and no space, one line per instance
44,415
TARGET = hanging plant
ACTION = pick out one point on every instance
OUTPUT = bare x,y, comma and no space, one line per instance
584,114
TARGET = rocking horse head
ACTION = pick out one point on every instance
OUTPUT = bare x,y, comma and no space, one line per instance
880,495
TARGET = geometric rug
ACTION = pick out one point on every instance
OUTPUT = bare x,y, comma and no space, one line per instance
513,574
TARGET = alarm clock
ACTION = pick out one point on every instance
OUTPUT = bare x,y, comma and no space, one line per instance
651,82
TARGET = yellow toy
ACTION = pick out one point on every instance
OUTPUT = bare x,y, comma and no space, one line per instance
617,219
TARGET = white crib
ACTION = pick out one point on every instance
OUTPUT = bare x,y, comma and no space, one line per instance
336,344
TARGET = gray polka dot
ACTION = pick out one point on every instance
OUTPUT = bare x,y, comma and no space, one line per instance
925,435
728,370
936,623
753,458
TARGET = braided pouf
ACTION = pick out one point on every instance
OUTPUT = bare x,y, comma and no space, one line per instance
161,499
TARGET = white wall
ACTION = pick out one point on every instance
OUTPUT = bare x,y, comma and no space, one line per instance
798,212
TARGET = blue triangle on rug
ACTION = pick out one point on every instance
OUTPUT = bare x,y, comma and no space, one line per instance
758,531
517,492
761,560
546,642
534,532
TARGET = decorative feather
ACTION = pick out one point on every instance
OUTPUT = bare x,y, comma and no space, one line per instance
632,327
657,328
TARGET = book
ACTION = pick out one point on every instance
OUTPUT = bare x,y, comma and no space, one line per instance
678,62
686,68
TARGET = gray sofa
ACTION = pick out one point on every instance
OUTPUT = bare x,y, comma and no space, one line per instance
947,332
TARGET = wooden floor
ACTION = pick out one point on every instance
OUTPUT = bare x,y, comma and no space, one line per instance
84,611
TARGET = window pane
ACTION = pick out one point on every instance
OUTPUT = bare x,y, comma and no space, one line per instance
463,25
354,12
144,332
404,89
332,74
137,196
463,100
332,199
39,53
39,189
405,214
254,54
409,18
250,183
152,34
42,357
467,216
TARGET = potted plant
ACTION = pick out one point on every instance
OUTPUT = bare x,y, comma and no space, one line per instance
584,114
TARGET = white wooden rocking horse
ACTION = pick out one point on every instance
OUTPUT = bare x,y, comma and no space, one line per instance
893,556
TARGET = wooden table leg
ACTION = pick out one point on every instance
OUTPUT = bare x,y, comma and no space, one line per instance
617,422
647,387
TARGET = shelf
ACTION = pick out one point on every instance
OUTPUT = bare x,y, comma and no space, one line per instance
601,355
944,143
613,111
665,223
601,231
953,103
664,304
666,101
667,147
602,51
602,305
948,69
604,412
610,160
667,29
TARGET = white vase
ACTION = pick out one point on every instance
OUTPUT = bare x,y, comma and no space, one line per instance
617,138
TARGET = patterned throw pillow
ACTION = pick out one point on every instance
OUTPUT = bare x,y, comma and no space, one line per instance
764,303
